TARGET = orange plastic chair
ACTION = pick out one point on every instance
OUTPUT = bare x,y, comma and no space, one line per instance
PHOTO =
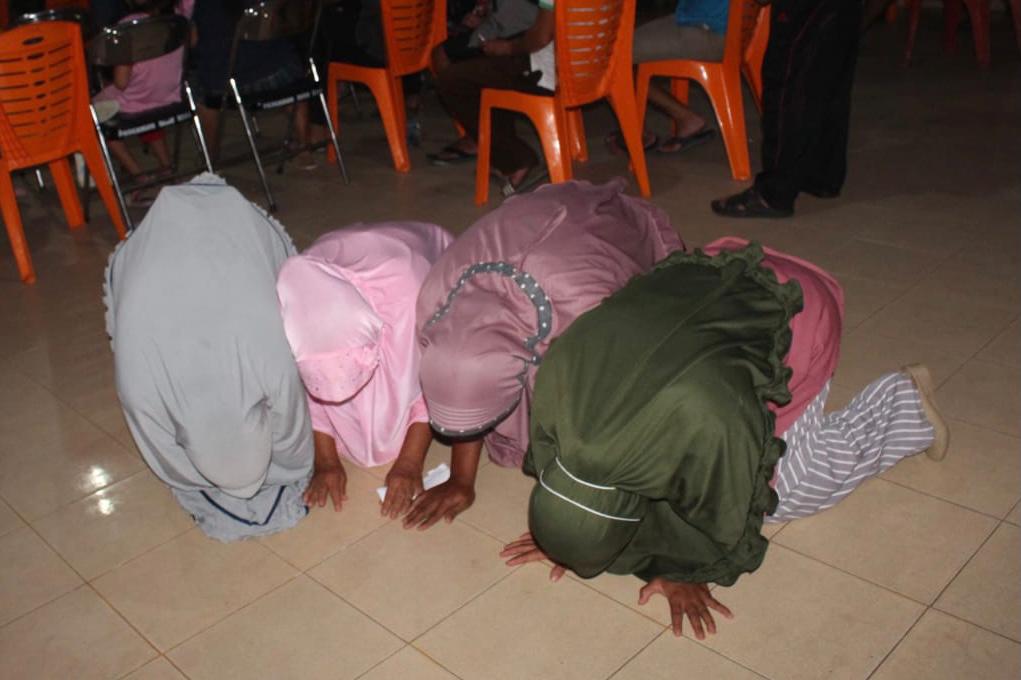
953,11
44,118
721,80
593,55
411,29
755,50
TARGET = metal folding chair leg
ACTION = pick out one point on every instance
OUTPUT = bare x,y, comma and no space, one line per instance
129,225
251,143
329,124
200,136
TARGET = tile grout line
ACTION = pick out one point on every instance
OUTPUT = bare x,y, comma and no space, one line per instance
945,500
897,644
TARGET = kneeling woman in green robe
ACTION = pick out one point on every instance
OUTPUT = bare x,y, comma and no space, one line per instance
660,417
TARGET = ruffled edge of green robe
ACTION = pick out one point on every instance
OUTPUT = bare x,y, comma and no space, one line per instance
748,553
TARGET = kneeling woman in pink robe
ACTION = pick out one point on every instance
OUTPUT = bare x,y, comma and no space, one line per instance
348,304
497,299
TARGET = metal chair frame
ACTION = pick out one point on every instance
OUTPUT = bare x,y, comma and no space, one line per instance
129,43
271,20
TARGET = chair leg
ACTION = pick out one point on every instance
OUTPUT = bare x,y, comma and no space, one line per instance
335,143
272,207
914,11
729,106
15,230
482,159
551,122
67,190
627,117
100,166
643,78
1015,14
197,131
576,132
978,12
952,10
333,111
390,99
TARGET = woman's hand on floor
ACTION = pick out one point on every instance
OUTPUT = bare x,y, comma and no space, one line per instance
445,501
686,599
523,550
403,484
329,483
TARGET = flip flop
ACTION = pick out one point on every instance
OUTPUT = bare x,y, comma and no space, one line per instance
748,203
615,142
684,142
450,155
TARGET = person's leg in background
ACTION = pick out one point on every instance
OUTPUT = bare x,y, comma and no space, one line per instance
807,74
460,88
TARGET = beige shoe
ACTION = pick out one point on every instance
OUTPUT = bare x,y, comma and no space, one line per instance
926,389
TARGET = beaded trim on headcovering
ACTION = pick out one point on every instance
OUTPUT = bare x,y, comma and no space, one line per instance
544,321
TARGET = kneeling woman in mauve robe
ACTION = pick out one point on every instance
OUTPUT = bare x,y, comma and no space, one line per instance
663,419
348,304
203,370
497,299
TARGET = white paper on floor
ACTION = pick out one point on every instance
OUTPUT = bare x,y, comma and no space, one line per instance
434,477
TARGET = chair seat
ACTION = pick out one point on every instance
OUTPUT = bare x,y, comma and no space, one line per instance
125,125
298,91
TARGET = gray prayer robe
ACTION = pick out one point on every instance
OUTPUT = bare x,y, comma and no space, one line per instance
204,372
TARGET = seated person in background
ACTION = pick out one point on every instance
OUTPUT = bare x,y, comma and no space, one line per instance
525,63
469,26
695,30
496,300
146,85
261,67
202,366
656,417
348,305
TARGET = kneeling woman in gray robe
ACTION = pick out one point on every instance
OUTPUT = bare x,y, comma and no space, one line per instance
204,373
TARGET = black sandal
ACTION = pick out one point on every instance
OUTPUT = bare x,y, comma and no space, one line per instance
748,203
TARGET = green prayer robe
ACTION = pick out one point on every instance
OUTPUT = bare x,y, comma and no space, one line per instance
654,406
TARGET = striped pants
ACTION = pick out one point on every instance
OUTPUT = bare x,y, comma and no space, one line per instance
828,455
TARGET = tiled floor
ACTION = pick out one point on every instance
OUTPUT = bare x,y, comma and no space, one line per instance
916,575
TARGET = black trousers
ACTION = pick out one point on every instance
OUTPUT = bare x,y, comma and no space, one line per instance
460,88
807,75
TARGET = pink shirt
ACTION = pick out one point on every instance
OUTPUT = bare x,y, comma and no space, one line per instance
815,331
381,397
153,83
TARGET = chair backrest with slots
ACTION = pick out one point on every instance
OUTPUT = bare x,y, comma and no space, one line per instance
411,29
593,41
44,98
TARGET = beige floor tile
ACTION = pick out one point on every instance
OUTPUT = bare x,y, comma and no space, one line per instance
939,233
409,579
624,589
982,470
988,590
953,323
9,520
665,658
798,619
984,394
186,585
1015,515
501,502
115,524
979,275
325,531
1005,348
157,669
839,397
941,647
866,355
30,574
408,664
526,626
931,539
885,263
77,636
300,630
864,297
55,465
